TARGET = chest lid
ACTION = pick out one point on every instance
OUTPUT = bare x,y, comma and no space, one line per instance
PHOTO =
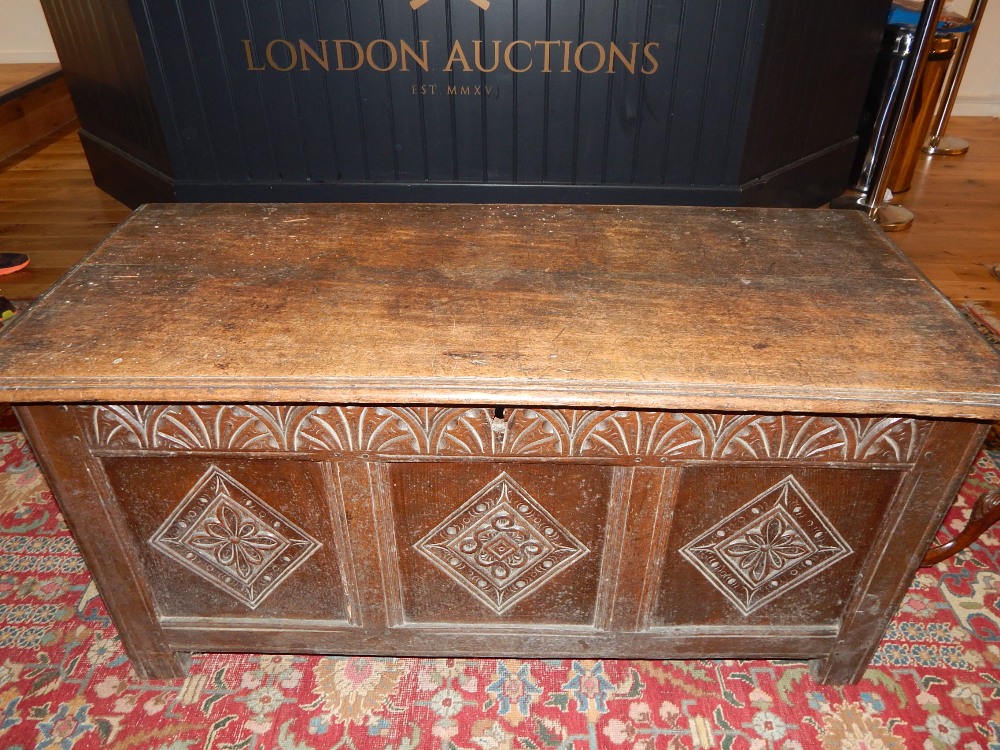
644,307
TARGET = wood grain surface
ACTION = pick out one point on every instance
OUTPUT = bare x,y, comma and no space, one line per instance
956,201
707,309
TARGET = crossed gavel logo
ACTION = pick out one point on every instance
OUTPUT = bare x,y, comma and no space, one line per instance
482,4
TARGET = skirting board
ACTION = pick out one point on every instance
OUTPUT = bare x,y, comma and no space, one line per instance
977,106
13,57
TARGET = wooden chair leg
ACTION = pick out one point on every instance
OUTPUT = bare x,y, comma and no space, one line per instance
985,513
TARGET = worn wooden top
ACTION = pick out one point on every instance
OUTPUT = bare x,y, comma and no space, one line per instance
659,307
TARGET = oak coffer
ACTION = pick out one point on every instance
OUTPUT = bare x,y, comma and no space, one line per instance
639,432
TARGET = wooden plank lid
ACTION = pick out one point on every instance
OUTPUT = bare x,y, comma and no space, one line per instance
645,307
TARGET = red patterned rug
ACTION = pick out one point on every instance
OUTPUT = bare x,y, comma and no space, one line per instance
66,683
984,322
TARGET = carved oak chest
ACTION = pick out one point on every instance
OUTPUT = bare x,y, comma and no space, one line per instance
638,432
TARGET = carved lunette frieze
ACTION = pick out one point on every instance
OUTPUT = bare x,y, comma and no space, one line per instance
449,431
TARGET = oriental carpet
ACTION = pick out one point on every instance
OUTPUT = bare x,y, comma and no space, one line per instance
66,683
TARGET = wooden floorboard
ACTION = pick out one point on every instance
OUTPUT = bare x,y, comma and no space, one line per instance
955,238
50,208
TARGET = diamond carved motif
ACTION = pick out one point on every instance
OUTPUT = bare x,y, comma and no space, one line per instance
227,535
778,540
501,545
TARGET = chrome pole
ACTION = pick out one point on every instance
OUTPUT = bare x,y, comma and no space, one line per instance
890,217
939,143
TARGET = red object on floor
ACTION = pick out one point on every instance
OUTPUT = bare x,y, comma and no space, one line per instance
12,262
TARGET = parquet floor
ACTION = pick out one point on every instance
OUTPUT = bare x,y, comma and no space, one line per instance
50,209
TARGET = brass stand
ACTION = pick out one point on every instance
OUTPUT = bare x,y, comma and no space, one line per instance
871,189
946,145
892,217
939,144
921,114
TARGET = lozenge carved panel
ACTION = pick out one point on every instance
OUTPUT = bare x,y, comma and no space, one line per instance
484,541
773,543
501,545
238,536
519,432
766,544
224,533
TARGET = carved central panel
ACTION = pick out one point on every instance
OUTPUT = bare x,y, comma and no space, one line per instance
501,545
230,537
772,544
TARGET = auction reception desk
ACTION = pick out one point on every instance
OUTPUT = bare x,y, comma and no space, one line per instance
692,102
532,431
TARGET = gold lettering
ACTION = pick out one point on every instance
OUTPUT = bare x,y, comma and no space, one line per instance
647,52
383,55
457,55
508,57
578,57
391,55
617,53
359,54
306,51
452,90
477,50
250,61
547,47
421,59
293,55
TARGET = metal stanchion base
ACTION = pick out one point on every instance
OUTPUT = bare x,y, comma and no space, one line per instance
889,216
893,218
946,145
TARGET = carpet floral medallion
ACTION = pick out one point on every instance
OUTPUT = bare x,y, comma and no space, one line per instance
66,683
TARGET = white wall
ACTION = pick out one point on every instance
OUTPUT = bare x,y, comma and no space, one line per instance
24,37
980,92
